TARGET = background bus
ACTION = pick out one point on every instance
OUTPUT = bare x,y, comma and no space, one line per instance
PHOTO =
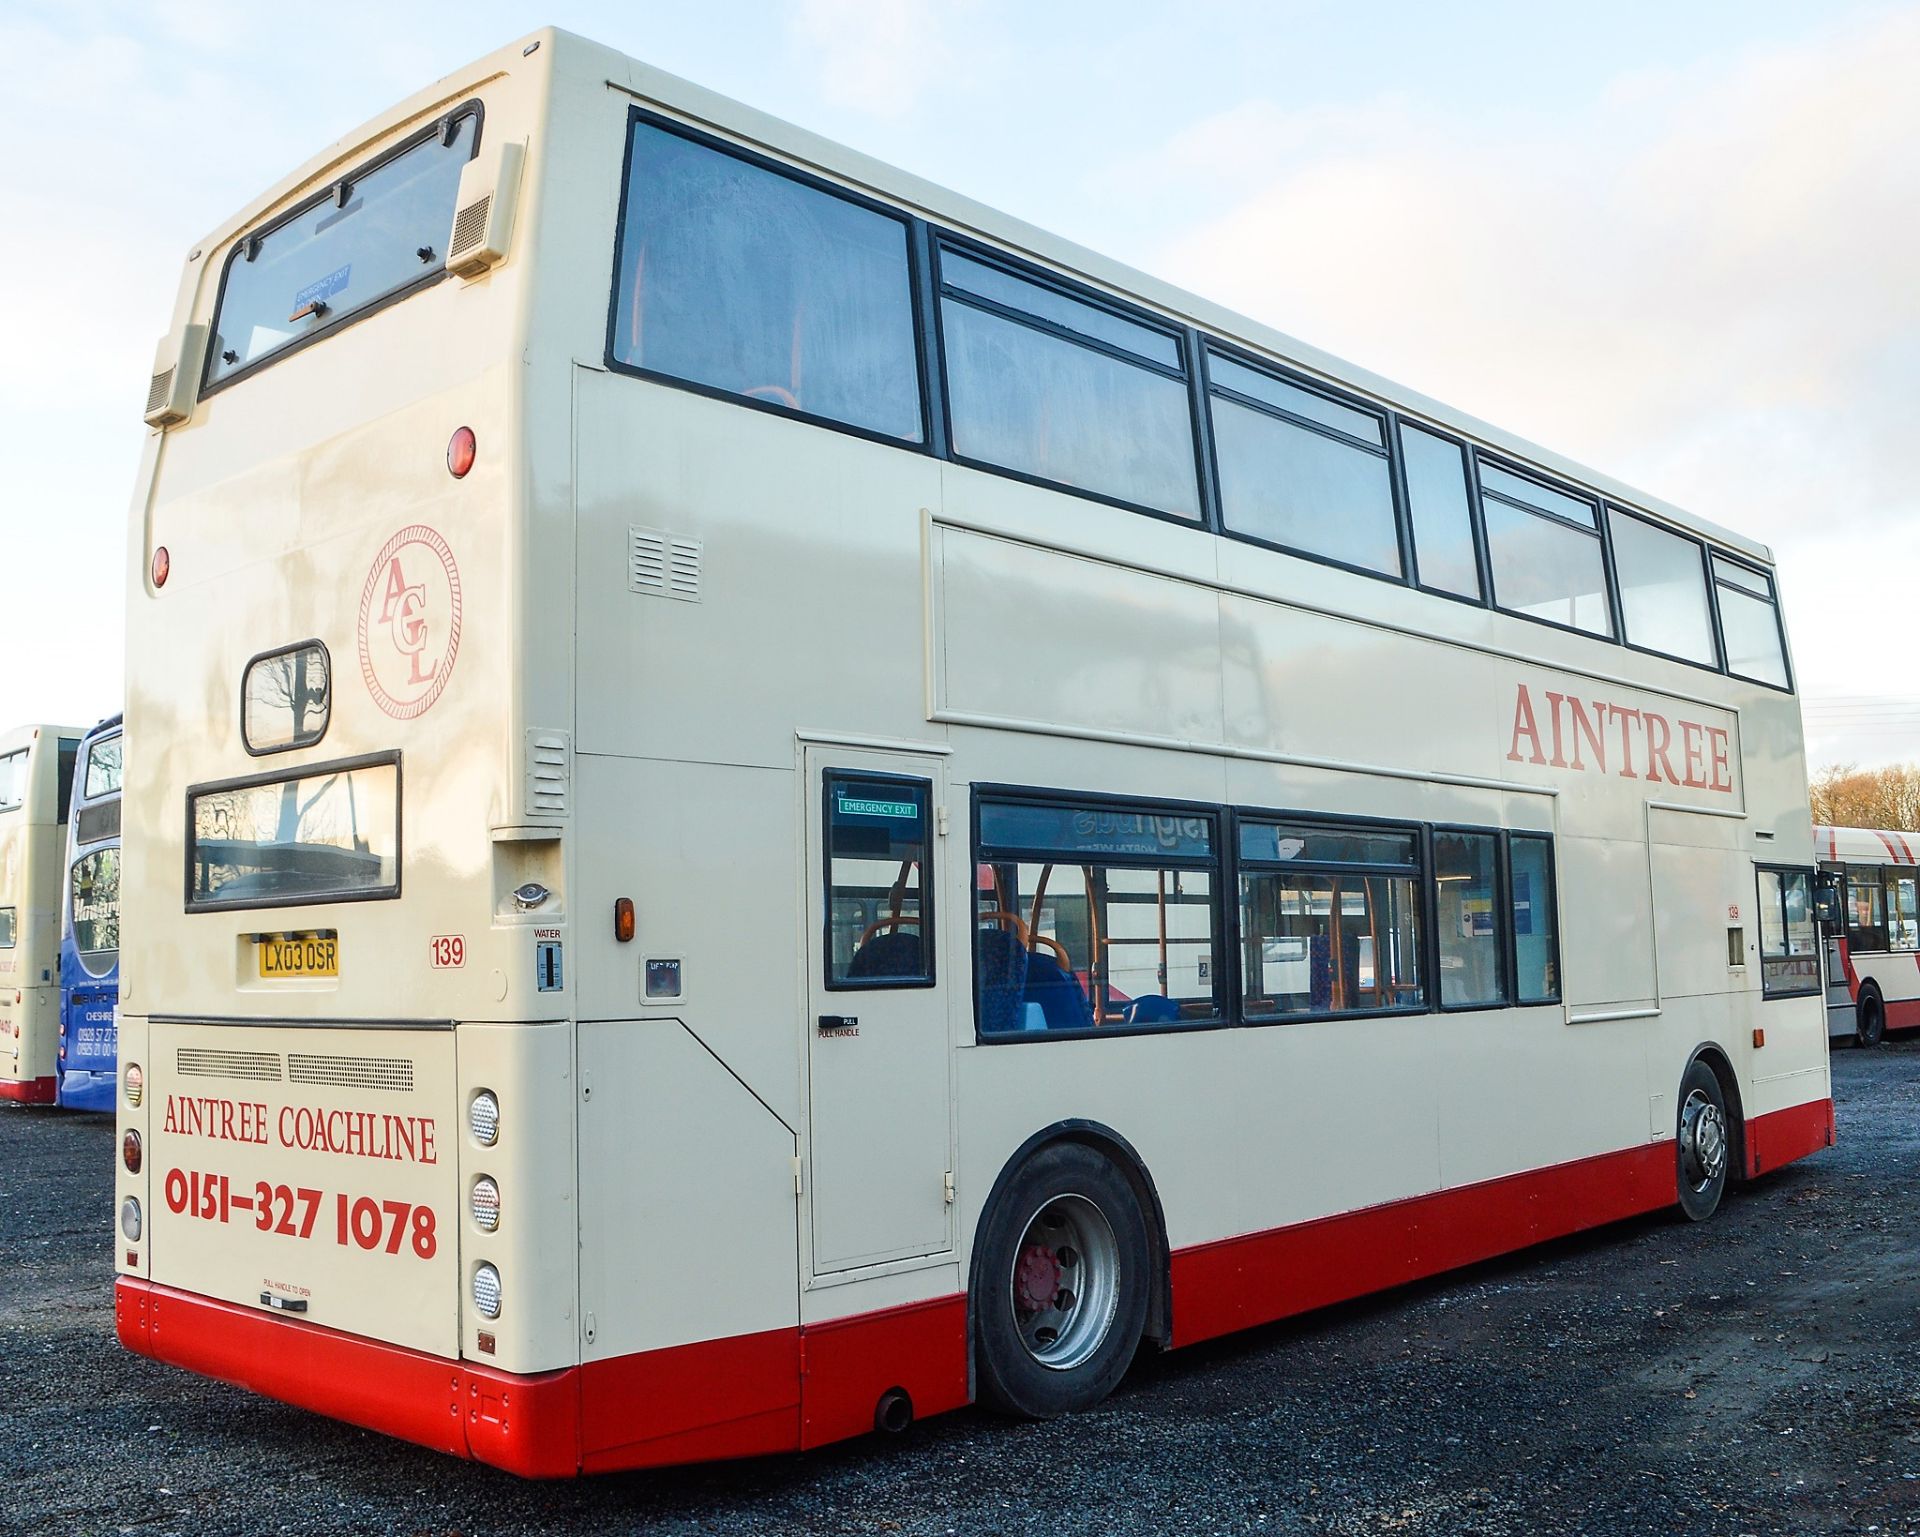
90,925
36,779
800,803
1870,930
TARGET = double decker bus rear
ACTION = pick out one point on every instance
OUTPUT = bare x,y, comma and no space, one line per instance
336,882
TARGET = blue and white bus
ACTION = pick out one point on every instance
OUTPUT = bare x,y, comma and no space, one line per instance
90,925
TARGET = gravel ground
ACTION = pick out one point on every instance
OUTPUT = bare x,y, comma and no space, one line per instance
1757,1374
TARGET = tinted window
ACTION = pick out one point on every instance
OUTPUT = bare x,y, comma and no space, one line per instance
1788,960
103,769
1536,956
1903,911
1305,489
1322,929
879,887
1467,917
1094,917
311,837
376,233
1866,914
69,760
733,276
978,280
1547,569
1036,396
1749,623
286,699
1442,515
1663,590
96,905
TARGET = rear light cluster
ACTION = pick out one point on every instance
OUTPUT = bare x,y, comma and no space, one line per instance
130,1219
130,1151
483,1122
133,1083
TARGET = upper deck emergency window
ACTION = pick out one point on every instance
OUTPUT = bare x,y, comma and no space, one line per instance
13,780
375,235
737,278
331,834
286,698
1750,622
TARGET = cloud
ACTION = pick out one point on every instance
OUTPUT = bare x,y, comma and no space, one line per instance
1700,279
878,56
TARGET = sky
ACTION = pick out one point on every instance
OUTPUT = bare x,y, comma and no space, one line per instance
1674,242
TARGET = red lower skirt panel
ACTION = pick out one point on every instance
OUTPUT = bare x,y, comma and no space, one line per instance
1902,1013
1784,1135
29,1091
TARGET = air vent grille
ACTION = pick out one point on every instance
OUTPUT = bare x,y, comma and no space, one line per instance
470,227
213,1062
661,564
394,1073
547,773
160,391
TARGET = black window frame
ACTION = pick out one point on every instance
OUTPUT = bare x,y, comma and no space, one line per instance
916,284
435,273
1205,487
1502,914
1509,837
1716,582
1597,532
1419,874
1396,498
10,933
1814,988
1854,875
1610,510
312,644
1888,875
285,772
927,894
1476,525
1225,975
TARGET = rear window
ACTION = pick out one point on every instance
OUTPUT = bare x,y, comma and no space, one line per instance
331,834
96,905
377,234
103,769
13,780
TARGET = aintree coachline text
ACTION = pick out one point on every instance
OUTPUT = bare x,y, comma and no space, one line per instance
351,1133
1645,738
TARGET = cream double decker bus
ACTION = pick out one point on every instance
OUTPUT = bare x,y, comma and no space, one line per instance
765,802
36,787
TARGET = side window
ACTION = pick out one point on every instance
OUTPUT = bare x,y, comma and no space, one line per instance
1442,515
879,881
1749,622
1065,390
1329,919
1301,470
8,926
1536,955
69,756
1789,964
1545,547
1663,589
1094,916
1866,914
733,276
13,779
1903,912
1468,920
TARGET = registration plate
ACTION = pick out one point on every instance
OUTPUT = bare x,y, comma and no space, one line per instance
305,955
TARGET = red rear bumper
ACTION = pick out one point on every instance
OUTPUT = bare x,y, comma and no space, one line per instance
30,1091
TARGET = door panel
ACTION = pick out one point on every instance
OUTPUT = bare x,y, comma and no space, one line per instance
878,1056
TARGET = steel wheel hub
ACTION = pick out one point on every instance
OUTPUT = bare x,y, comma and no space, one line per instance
1703,1141
1065,1285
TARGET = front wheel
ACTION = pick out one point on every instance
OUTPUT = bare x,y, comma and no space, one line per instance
1061,1281
1869,1018
1702,1144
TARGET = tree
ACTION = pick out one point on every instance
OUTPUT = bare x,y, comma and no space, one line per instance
1845,796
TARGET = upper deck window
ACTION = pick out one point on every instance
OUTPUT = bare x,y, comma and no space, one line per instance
744,280
378,233
13,780
1066,390
1548,562
1663,589
103,769
1302,470
1436,469
1749,622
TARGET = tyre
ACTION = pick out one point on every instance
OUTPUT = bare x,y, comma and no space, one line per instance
1869,1017
1702,1145
1060,1285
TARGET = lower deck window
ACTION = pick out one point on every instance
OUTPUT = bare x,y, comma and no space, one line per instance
8,926
330,834
879,919
1467,916
1789,959
1091,917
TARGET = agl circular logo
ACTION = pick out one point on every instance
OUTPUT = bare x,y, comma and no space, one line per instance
410,622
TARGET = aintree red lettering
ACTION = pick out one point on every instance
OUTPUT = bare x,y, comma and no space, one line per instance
1659,739
1577,729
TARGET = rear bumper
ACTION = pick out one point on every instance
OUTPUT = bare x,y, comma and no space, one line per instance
30,1091
81,1089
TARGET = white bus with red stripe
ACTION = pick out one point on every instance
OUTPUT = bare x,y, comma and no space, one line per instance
1872,943
763,802
36,785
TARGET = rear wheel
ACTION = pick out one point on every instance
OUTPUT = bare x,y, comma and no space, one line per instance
1869,1017
1060,1288
1702,1144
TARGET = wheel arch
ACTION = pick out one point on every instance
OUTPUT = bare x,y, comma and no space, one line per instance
1715,1057
1124,1157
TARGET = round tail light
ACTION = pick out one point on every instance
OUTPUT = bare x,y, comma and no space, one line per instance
461,448
162,564
130,1219
130,1151
483,1118
486,1203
